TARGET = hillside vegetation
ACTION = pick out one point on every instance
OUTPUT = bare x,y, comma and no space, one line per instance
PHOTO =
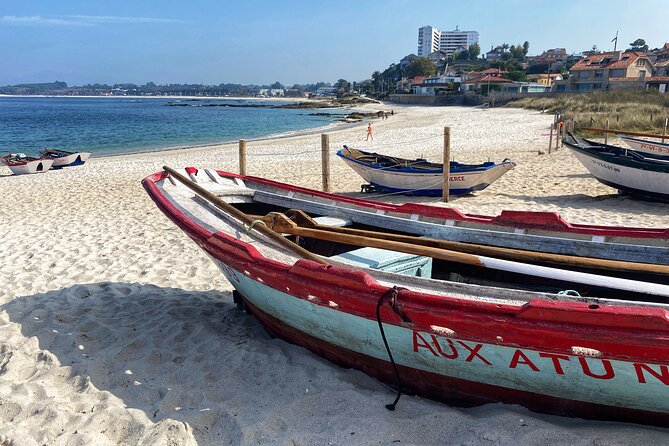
633,111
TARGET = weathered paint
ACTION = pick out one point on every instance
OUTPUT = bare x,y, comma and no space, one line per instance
612,382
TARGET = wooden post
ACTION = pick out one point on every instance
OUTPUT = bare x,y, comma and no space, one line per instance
606,135
550,141
447,163
664,132
325,161
242,157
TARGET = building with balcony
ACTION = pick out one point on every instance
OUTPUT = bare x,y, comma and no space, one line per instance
431,40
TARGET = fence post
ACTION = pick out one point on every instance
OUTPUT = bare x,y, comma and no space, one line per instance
664,132
447,163
325,161
242,157
550,141
606,134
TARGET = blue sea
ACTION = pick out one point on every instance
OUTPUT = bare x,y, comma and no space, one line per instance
111,126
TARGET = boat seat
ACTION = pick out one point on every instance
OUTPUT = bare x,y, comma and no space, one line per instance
388,261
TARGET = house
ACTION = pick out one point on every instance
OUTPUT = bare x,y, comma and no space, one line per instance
524,87
495,54
546,79
326,91
436,84
604,71
491,78
554,58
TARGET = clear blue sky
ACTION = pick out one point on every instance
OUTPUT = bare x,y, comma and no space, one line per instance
216,41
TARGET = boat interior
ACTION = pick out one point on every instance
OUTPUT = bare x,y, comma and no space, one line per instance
418,268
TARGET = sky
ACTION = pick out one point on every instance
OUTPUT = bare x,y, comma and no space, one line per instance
301,41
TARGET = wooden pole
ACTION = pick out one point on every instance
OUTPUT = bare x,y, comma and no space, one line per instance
648,135
606,134
325,161
550,141
664,132
242,157
447,163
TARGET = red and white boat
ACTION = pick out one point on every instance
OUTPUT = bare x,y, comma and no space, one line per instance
21,164
63,158
657,148
424,323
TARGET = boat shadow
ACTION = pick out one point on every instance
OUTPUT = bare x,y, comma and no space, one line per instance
193,356
607,202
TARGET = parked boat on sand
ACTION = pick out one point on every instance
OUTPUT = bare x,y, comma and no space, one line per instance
419,176
63,158
626,170
423,323
20,163
656,148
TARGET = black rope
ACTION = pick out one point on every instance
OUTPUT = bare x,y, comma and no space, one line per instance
393,292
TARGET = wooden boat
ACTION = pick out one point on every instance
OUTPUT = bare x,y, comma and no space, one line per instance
63,158
659,149
626,170
410,320
533,231
21,164
419,176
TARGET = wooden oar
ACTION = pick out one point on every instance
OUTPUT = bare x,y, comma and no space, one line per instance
239,215
301,219
281,223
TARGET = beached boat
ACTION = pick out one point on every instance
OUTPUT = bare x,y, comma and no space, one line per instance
419,176
416,322
20,163
626,170
63,158
645,146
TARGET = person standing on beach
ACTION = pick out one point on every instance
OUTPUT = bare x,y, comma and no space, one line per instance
369,132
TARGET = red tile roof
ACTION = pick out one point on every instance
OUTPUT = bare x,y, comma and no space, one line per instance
487,79
596,61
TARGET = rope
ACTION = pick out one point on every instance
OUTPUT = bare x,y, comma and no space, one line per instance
392,293
248,228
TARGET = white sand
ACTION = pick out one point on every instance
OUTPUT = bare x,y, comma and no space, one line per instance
116,329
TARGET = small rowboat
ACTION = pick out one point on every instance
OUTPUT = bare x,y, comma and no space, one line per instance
413,321
63,158
419,176
644,146
21,164
626,170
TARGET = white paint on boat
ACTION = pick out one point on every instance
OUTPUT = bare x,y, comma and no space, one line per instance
645,146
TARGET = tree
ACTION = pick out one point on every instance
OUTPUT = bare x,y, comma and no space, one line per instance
474,51
638,45
464,55
526,47
376,80
518,76
276,85
421,66
517,52
343,86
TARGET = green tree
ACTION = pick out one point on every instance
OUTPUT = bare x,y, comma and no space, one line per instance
518,76
343,85
376,80
638,45
421,66
276,85
474,51
526,47
463,55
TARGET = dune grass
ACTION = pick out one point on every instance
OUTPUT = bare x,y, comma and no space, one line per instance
632,111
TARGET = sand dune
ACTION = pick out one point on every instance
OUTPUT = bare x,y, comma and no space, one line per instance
116,329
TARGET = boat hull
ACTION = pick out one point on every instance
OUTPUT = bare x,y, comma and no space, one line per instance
74,159
644,146
429,184
36,166
457,370
631,179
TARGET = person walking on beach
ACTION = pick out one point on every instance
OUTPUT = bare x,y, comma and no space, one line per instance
369,132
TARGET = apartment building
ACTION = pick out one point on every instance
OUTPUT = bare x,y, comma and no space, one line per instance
430,39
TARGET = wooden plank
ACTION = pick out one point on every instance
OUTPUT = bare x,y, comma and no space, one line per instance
325,161
447,164
239,215
301,219
242,157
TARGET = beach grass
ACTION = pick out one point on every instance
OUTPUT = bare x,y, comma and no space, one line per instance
634,111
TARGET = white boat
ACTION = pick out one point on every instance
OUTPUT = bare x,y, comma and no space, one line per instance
643,145
419,176
626,170
20,163
63,158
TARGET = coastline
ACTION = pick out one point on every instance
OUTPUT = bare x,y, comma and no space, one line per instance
118,329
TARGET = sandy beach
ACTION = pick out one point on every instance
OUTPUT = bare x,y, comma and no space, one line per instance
115,328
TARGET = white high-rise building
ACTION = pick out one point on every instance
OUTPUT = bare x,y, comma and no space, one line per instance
430,39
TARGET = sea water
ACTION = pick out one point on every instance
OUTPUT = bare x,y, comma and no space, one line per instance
116,125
